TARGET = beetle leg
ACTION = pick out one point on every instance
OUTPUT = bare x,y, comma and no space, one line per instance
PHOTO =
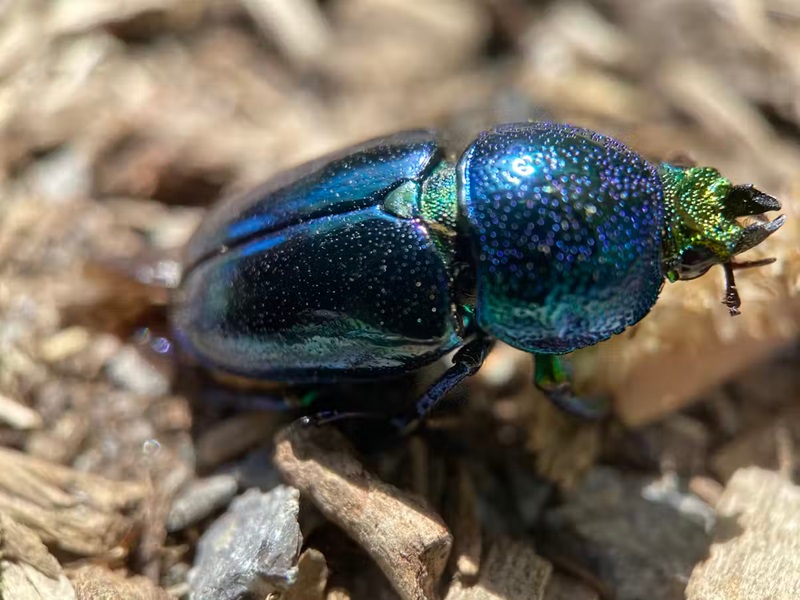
554,378
466,362
325,417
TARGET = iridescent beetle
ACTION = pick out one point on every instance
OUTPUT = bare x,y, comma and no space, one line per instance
384,257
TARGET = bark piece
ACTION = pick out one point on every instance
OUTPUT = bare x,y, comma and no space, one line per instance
758,446
640,537
406,539
63,344
75,18
20,544
250,550
312,577
756,550
61,442
297,28
565,447
132,371
232,437
463,519
17,415
27,570
255,469
679,444
24,582
94,582
199,499
511,571
78,512
562,587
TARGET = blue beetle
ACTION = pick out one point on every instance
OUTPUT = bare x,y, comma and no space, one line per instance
380,259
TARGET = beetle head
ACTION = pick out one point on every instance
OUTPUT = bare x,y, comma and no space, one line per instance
708,221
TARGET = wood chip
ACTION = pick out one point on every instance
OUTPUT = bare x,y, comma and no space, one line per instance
78,512
407,540
234,436
27,570
639,537
756,549
707,489
72,17
199,499
511,571
17,415
631,365
23,582
255,469
130,370
758,446
61,442
98,583
562,587
565,446
20,544
463,519
64,344
312,577
251,550
297,27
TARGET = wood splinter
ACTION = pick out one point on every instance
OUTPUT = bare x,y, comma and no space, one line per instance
407,540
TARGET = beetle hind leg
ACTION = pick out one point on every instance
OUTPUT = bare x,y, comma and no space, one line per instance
326,417
553,377
466,362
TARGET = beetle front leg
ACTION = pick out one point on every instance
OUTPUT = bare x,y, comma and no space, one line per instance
553,376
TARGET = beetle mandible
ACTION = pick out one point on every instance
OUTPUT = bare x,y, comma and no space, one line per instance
380,259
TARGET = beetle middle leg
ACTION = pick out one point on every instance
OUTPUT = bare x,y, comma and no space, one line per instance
553,376
466,362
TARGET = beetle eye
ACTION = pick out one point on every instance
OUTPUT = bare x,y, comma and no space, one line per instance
695,261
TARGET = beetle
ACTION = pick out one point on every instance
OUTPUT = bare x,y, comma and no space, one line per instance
382,258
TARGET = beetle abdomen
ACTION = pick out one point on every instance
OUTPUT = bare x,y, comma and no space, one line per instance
565,226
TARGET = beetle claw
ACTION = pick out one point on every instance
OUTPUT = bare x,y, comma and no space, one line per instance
322,418
564,398
326,417
756,233
732,299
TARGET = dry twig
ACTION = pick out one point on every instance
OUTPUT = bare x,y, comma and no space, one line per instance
406,539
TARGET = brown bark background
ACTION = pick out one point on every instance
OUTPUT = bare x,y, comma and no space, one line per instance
122,120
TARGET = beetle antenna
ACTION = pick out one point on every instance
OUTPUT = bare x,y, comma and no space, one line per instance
750,264
732,299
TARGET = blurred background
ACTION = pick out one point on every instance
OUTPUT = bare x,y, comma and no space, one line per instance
121,120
